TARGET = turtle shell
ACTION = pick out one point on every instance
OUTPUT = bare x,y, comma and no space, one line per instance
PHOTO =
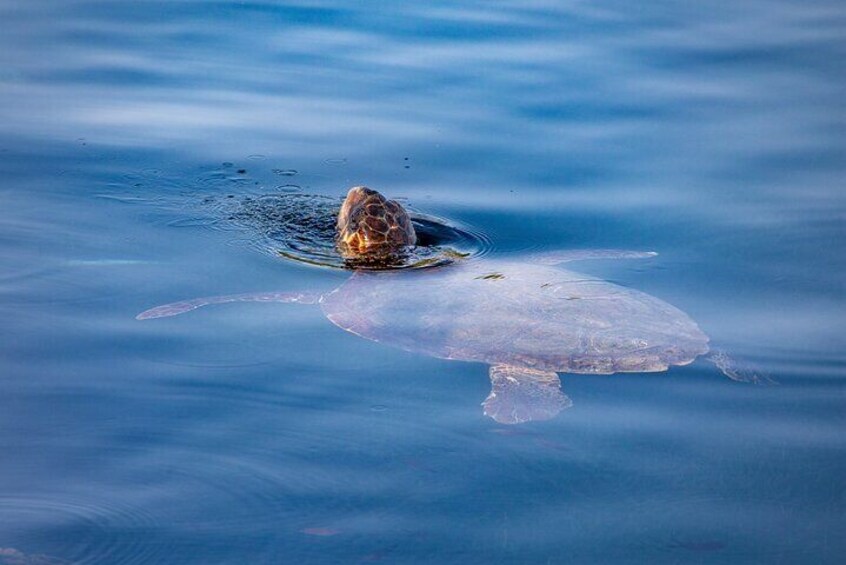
518,314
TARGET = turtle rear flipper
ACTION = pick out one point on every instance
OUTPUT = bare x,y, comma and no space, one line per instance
521,395
175,308
738,371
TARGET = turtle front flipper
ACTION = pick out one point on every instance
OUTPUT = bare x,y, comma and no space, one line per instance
522,395
175,308
567,255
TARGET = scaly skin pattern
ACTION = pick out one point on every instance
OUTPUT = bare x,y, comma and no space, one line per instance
370,224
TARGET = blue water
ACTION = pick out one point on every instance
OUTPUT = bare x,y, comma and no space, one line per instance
712,133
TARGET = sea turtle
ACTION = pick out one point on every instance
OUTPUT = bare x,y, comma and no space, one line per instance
526,318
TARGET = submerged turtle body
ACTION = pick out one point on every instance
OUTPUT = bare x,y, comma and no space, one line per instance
517,314
528,320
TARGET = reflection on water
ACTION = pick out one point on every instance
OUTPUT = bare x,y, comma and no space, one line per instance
712,135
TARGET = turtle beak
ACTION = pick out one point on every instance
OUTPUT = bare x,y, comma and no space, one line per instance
348,228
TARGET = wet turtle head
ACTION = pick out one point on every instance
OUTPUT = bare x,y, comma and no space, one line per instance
371,227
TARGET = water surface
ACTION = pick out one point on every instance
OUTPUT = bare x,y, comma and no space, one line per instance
714,135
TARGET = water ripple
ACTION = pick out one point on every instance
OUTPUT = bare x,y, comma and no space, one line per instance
92,531
301,227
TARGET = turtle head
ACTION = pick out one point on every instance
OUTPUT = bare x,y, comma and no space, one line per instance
372,227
